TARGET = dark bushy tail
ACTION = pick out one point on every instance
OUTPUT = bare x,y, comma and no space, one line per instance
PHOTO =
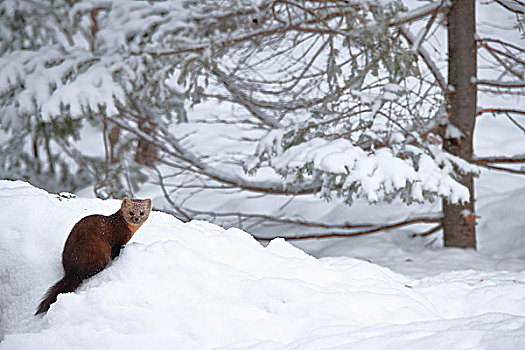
65,285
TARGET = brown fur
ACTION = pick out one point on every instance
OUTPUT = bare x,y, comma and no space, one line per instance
93,242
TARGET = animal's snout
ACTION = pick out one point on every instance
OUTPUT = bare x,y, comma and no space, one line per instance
136,219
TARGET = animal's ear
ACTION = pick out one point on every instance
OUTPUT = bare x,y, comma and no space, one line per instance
148,204
126,202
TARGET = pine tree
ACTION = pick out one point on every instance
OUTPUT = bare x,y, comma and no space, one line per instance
344,99
459,219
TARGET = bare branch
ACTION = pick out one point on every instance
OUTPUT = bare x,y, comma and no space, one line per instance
165,142
487,160
498,168
516,123
501,111
510,55
277,219
506,65
501,84
502,43
302,26
513,6
421,220
167,197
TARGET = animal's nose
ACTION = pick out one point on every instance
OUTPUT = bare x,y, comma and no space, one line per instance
136,219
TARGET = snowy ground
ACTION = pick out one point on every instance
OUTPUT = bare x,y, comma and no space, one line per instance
198,286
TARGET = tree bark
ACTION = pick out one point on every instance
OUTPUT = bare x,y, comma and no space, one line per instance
113,138
146,153
459,224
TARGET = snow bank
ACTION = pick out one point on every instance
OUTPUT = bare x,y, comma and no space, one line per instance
198,286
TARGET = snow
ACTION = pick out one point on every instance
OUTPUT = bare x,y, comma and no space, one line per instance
198,286
107,92
42,75
377,174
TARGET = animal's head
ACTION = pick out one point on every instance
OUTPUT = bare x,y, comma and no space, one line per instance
135,211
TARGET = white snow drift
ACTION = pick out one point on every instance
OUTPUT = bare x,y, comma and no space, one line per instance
198,286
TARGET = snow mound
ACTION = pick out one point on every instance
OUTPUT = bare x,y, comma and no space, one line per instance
198,286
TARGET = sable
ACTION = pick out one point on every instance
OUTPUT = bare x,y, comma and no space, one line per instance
93,242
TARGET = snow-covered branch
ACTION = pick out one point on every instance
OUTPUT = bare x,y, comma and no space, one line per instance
427,58
418,13
240,97
381,175
173,153
347,108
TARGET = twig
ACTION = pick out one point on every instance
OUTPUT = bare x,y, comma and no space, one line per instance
106,148
167,197
428,232
494,53
502,43
515,122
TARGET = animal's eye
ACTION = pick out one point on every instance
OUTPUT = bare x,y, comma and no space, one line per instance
131,213
141,213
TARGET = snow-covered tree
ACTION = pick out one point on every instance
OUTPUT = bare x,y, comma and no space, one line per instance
340,98
68,64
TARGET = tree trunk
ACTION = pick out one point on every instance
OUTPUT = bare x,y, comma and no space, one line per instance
459,224
146,153
113,138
